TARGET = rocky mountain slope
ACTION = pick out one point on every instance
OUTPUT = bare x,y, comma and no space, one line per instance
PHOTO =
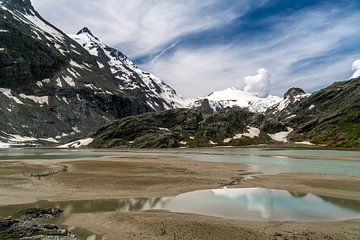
190,128
330,116
54,89
57,88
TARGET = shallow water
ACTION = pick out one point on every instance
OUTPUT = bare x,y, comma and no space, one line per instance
263,160
247,204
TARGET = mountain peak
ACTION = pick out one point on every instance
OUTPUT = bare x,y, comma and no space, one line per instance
293,92
85,30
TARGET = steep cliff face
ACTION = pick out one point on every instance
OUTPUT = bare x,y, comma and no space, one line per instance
54,89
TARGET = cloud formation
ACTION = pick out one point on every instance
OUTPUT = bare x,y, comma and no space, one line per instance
202,46
356,68
301,53
258,84
140,27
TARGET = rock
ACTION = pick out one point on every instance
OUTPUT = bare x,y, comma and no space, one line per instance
293,92
32,224
187,127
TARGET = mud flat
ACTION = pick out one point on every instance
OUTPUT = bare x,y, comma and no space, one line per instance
30,181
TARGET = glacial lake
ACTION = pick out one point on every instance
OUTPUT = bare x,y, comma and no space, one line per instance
241,203
263,160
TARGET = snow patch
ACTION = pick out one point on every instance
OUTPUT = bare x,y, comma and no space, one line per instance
164,129
40,100
18,138
78,143
281,136
252,132
304,143
58,82
100,64
292,116
4,145
69,81
7,93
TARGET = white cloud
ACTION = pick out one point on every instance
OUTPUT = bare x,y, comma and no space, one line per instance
140,27
258,84
356,68
157,28
285,53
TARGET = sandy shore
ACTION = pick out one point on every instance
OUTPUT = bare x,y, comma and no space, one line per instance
109,178
113,178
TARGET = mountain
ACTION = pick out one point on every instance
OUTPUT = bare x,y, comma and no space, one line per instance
232,97
54,89
329,117
189,128
130,78
286,106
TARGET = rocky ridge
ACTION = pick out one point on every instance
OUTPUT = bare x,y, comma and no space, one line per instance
189,128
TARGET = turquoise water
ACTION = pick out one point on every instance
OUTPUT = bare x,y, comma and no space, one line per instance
263,160
247,203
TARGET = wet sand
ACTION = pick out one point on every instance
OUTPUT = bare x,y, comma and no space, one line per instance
109,178
113,178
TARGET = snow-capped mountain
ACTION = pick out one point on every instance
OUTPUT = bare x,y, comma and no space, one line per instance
54,89
232,97
130,78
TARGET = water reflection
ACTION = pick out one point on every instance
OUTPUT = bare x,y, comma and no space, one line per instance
250,203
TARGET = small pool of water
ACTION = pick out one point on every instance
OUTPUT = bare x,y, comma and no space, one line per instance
242,203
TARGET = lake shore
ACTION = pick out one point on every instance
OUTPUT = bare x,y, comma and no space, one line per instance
29,181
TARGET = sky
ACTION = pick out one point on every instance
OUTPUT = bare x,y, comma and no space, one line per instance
201,46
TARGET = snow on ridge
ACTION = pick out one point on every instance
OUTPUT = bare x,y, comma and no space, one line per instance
287,101
7,93
232,97
40,100
44,27
123,69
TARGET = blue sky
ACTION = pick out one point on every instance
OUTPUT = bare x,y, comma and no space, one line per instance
202,46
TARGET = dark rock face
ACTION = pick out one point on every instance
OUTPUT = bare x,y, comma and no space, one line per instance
292,92
204,106
158,130
184,127
329,116
31,224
